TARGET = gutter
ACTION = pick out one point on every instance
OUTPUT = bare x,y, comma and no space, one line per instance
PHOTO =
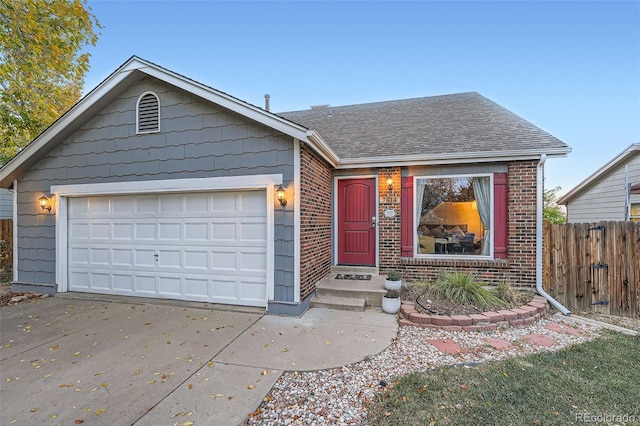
539,240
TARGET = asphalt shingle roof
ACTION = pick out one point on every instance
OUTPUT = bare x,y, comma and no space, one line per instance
457,123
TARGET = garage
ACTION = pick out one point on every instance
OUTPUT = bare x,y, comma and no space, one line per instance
197,246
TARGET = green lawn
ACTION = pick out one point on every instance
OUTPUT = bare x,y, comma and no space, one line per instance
570,386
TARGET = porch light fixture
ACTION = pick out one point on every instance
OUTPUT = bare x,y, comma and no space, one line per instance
44,203
389,182
280,196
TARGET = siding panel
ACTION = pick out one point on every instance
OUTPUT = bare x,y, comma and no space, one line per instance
604,199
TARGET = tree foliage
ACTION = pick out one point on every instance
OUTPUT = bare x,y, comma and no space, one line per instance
42,65
551,211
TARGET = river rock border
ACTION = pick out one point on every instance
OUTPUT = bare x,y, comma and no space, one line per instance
486,321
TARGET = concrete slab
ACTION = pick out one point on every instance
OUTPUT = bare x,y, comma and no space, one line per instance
575,319
106,361
497,343
321,338
539,339
103,363
447,346
222,394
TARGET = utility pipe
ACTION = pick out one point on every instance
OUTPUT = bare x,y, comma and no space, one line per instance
539,208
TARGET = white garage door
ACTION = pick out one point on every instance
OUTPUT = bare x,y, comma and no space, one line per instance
195,246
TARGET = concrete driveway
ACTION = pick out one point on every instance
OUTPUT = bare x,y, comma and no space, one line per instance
70,361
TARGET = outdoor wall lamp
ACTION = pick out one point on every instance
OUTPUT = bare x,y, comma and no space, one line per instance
389,182
44,203
280,196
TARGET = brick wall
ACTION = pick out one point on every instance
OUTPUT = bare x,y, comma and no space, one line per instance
316,179
389,227
519,266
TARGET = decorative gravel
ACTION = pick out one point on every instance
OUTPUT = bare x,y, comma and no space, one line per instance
339,396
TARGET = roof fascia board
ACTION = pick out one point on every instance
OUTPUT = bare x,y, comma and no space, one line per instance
323,148
601,171
465,158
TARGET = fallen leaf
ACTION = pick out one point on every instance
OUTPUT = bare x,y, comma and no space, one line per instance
137,372
168,342
100,411
266,345
210,364
104,385
187,424
265,372
147,323
216,395
78,421
190,386
53,348
250,387
464,387
33,410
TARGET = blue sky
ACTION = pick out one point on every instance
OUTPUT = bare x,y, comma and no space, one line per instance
572,68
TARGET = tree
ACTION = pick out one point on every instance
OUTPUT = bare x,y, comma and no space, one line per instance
551,211
42,65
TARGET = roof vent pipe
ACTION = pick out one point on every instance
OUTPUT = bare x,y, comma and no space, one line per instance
266,101
539,239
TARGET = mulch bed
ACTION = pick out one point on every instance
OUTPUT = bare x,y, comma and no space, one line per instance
434,306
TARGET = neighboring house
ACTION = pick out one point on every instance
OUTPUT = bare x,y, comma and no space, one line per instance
6,205
161,186
608,194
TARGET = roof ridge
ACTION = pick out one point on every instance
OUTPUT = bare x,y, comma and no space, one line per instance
446,95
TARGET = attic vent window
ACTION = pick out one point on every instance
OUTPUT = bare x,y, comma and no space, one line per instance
148,113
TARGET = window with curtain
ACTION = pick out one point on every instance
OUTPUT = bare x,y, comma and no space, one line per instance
635,212
454,215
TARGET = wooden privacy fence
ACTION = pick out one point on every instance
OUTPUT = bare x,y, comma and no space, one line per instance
593,266
6,246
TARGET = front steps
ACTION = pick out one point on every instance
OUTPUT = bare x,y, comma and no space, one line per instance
349,295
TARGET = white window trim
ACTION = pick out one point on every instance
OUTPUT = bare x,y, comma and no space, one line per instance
138,131
63,192
416,245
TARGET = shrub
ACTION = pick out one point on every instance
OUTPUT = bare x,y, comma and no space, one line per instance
457,287
505,291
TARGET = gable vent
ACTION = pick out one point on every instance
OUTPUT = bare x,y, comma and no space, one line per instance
148,113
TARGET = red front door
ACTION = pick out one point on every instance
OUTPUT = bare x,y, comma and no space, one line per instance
357,222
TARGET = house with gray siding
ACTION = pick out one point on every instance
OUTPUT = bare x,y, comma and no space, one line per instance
607,194
6,205
155,185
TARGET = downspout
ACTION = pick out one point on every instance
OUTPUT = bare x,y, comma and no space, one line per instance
539,207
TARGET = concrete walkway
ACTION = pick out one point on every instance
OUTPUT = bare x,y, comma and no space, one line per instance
130,361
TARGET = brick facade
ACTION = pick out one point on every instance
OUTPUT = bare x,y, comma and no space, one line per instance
519,266
316,180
